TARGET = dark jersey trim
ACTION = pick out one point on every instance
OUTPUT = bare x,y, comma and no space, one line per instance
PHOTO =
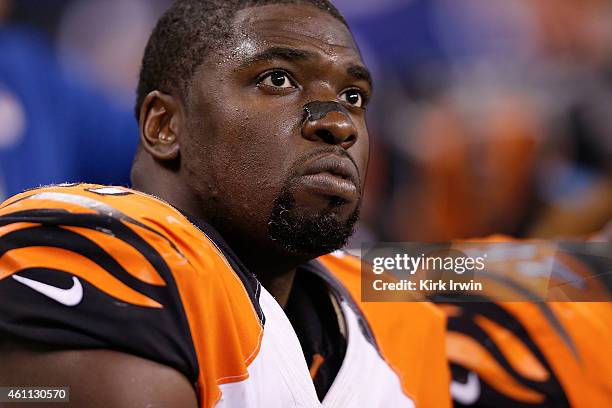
248,279
343,294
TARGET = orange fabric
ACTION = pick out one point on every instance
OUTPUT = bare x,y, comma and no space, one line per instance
129,258
317,362
18,259
7,229
467,352
587,377
517,353
224,325
411,336
36,204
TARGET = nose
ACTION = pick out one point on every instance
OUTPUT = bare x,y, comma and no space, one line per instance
330,123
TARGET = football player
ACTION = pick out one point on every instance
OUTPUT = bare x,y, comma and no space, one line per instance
212,283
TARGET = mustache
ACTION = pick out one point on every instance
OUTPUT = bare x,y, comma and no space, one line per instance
319,151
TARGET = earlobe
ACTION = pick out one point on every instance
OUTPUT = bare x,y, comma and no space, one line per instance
160,120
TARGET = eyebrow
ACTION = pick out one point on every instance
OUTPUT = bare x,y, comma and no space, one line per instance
361,73
282,53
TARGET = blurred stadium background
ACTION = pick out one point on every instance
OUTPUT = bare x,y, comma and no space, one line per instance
488,117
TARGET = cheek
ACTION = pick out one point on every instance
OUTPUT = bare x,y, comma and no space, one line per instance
251,142
361,154
270,134
257,150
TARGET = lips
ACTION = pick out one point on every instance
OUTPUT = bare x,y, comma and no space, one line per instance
331,175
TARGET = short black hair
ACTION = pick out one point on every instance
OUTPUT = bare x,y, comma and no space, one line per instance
186,33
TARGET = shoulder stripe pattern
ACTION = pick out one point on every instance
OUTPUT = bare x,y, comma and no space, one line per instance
97,246
82,255
82,273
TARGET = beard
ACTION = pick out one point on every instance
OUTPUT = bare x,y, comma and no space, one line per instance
298,231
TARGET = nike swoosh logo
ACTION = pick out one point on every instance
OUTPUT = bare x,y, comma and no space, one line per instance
67,297
468,393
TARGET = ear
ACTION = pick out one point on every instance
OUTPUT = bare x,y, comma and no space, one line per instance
161,117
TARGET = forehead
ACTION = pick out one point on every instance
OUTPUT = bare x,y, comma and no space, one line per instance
301,26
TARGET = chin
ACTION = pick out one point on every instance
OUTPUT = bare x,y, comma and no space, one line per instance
311,231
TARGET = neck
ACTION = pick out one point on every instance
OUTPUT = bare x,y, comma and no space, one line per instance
274,269
279,286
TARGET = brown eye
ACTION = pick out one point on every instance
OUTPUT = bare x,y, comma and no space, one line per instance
277,79
352,97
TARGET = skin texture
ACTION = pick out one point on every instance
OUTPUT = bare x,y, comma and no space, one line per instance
100,378
228,155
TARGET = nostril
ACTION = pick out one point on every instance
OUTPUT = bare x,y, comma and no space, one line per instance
326,136
349,140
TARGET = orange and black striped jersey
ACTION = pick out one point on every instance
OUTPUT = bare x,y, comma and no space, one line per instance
519,354
532,354
88,266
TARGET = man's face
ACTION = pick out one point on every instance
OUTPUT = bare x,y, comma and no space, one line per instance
278,145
